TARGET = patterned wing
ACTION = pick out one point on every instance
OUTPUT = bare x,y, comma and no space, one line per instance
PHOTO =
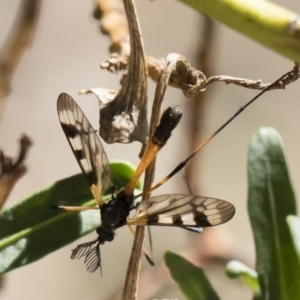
183,211
85,145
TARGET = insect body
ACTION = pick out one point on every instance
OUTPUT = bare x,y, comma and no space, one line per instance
186,211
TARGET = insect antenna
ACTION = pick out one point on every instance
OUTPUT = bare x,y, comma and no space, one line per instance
282,80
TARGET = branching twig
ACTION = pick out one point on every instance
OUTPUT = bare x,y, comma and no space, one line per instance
11,171
265,22
192,81
185,77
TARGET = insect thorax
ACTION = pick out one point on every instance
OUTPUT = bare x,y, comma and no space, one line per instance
114,214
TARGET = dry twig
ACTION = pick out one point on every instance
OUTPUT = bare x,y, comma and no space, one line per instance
12,170
113,22
190,80
131,281
19,38
123,113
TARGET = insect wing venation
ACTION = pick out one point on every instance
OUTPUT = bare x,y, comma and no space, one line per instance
85,145
183,211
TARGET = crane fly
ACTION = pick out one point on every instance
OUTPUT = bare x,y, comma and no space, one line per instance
190,212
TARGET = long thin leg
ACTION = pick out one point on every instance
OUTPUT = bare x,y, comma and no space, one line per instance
148,257
75,208
283,79
150,240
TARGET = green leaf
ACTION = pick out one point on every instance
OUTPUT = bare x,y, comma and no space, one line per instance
191,279
265,22
121,173
235,269
30,230
294,227
271,200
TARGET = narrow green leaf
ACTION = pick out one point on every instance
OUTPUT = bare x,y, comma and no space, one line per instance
30,229
271,200
191,279
265,22
235,269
